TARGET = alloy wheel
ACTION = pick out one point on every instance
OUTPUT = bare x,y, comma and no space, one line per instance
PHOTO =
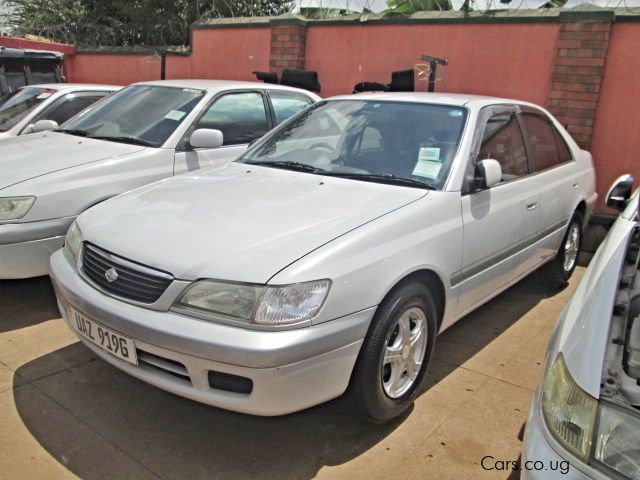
404,352
571,247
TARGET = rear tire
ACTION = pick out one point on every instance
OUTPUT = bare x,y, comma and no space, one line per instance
564,264
396,353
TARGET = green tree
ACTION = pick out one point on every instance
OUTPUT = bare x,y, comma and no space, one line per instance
127,22
412,6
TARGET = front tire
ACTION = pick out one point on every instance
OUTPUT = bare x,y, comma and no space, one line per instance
396,353
564,264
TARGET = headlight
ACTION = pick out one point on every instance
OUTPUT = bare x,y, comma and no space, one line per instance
261,304
73,243
617,440
13,208
568,411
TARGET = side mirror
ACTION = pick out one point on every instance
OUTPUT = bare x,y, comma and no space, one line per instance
620,192
43,126
488,173
206,138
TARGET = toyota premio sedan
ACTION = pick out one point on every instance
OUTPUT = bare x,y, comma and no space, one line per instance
587,409
143,133
328,256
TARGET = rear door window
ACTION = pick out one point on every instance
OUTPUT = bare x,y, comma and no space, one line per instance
542,141
241,117
287,104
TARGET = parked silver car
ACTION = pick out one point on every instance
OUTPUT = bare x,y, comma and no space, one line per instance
143,133
586,411
331,254
48,106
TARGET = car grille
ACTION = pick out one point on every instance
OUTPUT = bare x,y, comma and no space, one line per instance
132,282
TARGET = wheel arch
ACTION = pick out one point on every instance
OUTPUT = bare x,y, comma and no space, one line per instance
430,279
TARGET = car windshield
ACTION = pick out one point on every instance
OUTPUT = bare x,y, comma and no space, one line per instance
18,105
410,144
140,114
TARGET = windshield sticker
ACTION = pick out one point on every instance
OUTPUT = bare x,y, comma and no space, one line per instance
175,115
427,169
455,113
429,153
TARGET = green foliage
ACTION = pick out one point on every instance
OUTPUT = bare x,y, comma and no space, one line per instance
127,22
411,6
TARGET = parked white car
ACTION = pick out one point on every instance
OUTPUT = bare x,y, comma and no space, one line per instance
143,133
48,105
330,254
586,411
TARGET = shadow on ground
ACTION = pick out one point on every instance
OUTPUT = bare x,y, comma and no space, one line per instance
176,438
26,302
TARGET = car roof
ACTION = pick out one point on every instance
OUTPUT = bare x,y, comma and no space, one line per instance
74,86
457,99
221,85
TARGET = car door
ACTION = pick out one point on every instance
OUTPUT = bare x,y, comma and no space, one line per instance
557,175
241,116
65,107
499,222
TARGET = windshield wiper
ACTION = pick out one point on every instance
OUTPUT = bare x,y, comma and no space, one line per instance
123,139
383,178
289,165
71,131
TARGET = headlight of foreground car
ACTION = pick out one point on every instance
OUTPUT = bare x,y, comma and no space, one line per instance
73,243
617,443
14,208
568,411
260,304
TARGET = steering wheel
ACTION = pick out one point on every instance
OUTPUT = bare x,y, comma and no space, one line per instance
323,145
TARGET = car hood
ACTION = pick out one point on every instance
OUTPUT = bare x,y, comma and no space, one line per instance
583,326
29,156
238,222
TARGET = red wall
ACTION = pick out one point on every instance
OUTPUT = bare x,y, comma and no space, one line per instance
113,69
512,60
616,141
230,53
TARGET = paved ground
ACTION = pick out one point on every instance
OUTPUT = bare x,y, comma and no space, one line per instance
64,413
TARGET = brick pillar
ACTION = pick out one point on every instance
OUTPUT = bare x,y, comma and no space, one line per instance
577,70
288,42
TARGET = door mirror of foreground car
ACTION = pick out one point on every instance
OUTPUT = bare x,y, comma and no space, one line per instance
41,126
208,138
488,173
620,192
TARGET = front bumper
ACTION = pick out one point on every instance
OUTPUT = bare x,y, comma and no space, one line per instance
25,248
291,370
539,449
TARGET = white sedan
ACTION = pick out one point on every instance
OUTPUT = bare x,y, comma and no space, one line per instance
586,411
141,134
49,104
331,254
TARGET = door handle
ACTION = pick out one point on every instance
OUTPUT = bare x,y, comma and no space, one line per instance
575,185
532,205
